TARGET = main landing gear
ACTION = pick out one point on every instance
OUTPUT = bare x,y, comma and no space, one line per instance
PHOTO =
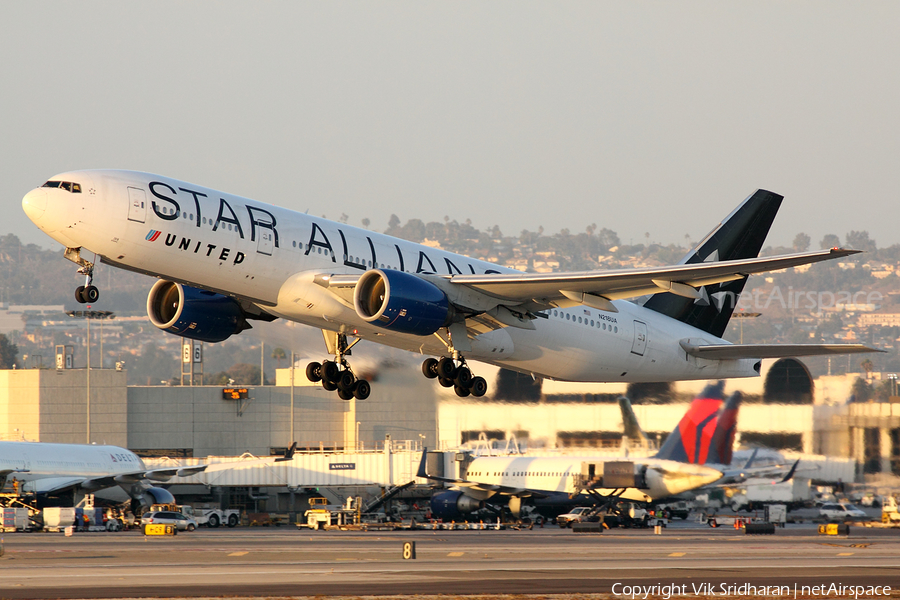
87,293
337,375
456,374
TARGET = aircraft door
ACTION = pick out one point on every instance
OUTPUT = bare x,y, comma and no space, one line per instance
266,241
640,338
137,204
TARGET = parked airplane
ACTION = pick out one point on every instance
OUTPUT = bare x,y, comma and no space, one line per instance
52,469
223,261
705,436
699,435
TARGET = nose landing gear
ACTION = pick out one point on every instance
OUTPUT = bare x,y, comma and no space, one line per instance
337,375
87,293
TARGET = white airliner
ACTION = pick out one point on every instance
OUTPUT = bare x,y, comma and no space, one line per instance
52,469
516,478
223,260
702,437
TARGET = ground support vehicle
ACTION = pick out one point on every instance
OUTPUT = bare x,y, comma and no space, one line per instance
168,517
204,515
776,514
676,510
890,515
755,493
322,515
14,519
836,511
578,514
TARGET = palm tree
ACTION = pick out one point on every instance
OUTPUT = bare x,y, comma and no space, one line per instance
868,367
279,355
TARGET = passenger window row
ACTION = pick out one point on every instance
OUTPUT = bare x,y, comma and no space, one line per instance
586,321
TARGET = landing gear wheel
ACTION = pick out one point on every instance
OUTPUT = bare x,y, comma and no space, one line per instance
362,390
79,295
446,368
91,294
430,368
445,382
346,381
330,372
462,392
329,387
463,377
344,394
478,387
314,372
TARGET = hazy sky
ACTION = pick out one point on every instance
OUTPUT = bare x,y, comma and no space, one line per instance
643,117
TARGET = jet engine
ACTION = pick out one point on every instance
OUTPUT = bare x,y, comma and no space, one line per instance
401,302
453,505
155,495
194,313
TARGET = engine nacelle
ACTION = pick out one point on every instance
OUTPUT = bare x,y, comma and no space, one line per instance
453,505
401,302
194,313
156,495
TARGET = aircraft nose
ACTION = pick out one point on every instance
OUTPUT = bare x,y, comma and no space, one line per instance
35,203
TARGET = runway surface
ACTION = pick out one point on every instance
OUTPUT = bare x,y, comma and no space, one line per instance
290,562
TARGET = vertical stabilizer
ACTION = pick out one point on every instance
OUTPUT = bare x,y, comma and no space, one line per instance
690,442
740,235
722,446
633,430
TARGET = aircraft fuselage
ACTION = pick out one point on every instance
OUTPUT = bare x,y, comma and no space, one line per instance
272,257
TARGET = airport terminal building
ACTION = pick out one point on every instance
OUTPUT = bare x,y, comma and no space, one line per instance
189,423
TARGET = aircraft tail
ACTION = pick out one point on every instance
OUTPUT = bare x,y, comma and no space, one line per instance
633,429
740,235
706,432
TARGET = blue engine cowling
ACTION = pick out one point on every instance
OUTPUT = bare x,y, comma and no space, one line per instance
194,313
453,505
401,302
157,495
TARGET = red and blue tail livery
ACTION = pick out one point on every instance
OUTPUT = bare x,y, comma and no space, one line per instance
705,435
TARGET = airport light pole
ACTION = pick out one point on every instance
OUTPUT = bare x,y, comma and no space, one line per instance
90,315
740,316
292,399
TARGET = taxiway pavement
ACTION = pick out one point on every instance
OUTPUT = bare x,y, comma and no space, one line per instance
290,562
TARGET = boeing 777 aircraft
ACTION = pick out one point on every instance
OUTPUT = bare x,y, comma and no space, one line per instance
50,469
223,261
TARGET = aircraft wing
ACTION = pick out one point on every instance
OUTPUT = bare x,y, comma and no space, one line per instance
596,288
167,473
53,485
738,351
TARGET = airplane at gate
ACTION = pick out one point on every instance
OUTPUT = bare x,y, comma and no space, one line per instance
223,261
704,435
43,468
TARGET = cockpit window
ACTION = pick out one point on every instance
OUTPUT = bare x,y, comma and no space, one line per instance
69,186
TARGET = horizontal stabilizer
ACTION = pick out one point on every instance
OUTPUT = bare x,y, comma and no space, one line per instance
739,351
